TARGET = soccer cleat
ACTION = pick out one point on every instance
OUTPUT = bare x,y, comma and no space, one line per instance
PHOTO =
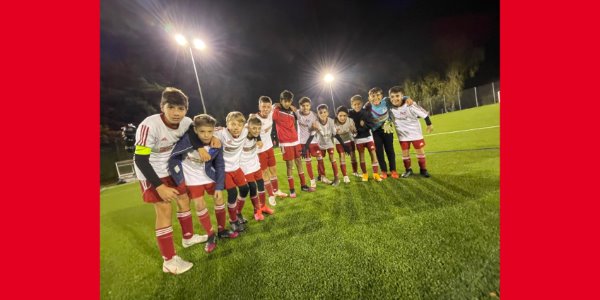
346,179
384,175
292,194
211,243
237,226
176,265
272,201
325,180
267,210
395,174
195,239
313,183
227,234
365,177
242,219
408,172
336,182
258,216
356,174
424,173
281,194
377,177
304,188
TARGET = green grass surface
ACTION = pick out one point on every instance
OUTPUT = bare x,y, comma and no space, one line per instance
414,238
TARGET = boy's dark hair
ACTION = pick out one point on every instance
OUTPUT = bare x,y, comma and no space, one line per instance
173,96
356,98
264,99
204,120
304,100
396,89
375,90
322,106
253,120
286,95
341,109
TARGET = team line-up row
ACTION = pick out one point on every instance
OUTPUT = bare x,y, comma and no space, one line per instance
178,159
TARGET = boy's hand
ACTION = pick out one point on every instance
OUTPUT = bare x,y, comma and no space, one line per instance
215,142
388,126
362,123
315,125
204,156
166,193
409,101
259,144
429,128
293,108
304,152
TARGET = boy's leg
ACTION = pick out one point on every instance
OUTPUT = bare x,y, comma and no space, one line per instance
298,161
164,230
374,164
336,180
203,216
388,143
184,214
260,185
353,159
422,164
221,219
378,139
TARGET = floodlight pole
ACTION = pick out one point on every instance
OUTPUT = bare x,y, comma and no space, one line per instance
332,101
197,80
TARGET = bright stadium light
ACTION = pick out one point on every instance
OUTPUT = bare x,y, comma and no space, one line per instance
198,44
181,40
329,80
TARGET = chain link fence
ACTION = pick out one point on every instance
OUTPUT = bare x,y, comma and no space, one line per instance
468,98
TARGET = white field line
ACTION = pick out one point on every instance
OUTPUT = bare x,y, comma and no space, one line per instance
449,132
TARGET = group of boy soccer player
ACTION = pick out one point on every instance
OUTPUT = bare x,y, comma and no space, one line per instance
180,159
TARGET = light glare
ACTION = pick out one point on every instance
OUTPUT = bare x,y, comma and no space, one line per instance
328,78
199,44
181,40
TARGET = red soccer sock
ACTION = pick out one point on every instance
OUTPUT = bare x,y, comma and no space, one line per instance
262,198
421,159
232,212
343,167
205,221
321,167
302,179
255,203
375,168
354,167
221,216
164,237
335,168
291,182
309,169
275,184
185,220
269,188
363,167
240,204
406,161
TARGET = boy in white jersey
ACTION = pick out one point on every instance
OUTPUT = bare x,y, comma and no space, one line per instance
233,138
266,155
325,134
199,175
250,165
345,127
306,121
363,138
409,130
155,139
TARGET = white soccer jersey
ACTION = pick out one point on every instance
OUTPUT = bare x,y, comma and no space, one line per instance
249,161
406,122
305,122
325,134
345,131
153,133
265,132
193,169
232,147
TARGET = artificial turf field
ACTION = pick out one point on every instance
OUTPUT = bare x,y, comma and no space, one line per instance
413,238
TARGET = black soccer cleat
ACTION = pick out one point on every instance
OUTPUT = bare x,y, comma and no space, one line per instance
227,234
211,243
242,219
424,173
406,174
336,181
237,226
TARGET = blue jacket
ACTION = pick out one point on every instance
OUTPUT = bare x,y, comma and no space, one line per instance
215,167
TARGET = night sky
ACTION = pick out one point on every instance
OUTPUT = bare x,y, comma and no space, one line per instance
262,47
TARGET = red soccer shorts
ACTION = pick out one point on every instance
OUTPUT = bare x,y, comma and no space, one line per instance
150,195
267,159
368,145
340,148
253,177
291,152
418,144
197,191
235,178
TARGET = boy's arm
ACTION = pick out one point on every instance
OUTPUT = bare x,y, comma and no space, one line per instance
219,164
307,145
421,112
